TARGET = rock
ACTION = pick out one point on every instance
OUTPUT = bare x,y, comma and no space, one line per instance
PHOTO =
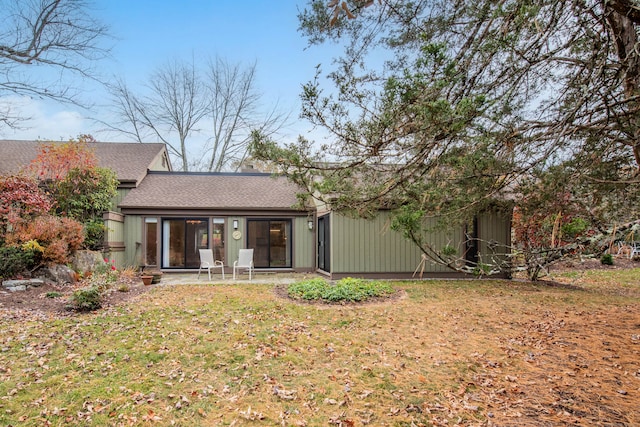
84,261
21,284
36,283
15,285
61,274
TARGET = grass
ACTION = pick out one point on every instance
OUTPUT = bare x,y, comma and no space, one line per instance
449,352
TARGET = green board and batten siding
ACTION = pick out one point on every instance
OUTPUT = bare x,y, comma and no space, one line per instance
372,247
495,227
115,202
133,233
303,241
303,244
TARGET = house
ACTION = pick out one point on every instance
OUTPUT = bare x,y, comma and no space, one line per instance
161,218
171,215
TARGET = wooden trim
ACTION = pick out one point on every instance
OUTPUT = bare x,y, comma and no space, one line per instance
409,276
207,212
114,246
113,216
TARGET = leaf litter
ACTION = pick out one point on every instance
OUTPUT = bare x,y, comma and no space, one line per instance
479,353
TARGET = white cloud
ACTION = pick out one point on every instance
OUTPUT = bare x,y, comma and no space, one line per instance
45,120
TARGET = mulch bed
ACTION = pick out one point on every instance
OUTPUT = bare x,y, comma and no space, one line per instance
35,302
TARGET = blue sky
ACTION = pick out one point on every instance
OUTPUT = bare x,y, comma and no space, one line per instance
148,33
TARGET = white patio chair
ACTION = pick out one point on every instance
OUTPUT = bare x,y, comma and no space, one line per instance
635,249
631,248
207,261
245,260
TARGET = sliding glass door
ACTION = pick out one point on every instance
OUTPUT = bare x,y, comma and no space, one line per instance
271,242
181,240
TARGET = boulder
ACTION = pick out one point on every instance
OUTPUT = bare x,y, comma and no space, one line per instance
84,261
60,274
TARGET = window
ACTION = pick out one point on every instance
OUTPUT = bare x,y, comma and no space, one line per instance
151,241
271,242
217,239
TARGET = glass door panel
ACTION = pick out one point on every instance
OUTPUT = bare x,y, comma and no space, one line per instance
270,240
323,243
197,237
181,240
151,242
258,239
278,239
217,240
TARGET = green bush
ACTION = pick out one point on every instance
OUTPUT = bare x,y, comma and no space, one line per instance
86,299
345,290
606,259
94,234
15,260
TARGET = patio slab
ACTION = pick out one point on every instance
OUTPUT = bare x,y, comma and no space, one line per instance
258,278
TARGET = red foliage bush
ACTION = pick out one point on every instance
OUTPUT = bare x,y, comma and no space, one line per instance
55,160
20,199
58,236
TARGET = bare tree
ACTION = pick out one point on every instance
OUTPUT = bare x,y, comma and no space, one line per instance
222,105
59,38
235,106
170,111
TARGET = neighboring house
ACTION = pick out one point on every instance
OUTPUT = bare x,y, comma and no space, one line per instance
161,218
130,161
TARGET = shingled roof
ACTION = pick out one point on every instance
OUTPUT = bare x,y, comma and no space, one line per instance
228,191
130,161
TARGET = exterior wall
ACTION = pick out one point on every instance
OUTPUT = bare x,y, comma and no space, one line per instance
494,230
115,202
360,246
233,245
133,240
160,163
369,248
114,246
115,228
303,244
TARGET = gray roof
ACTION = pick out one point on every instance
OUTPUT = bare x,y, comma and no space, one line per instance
233,191
130,161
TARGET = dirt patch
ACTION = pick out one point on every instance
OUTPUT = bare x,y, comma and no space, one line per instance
619,263
50,300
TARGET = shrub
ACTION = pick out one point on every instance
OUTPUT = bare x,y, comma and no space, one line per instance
86,299
449,251
15,260
345,290
94,234
312,289
606,259
20,199
85,194
59,237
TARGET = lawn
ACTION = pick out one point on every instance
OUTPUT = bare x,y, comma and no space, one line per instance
444,353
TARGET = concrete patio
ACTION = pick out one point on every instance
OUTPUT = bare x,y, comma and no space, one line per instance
257,278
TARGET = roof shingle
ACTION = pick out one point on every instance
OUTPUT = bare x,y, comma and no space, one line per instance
184,190
130,160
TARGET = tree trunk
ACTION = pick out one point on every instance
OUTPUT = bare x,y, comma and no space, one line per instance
623,16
